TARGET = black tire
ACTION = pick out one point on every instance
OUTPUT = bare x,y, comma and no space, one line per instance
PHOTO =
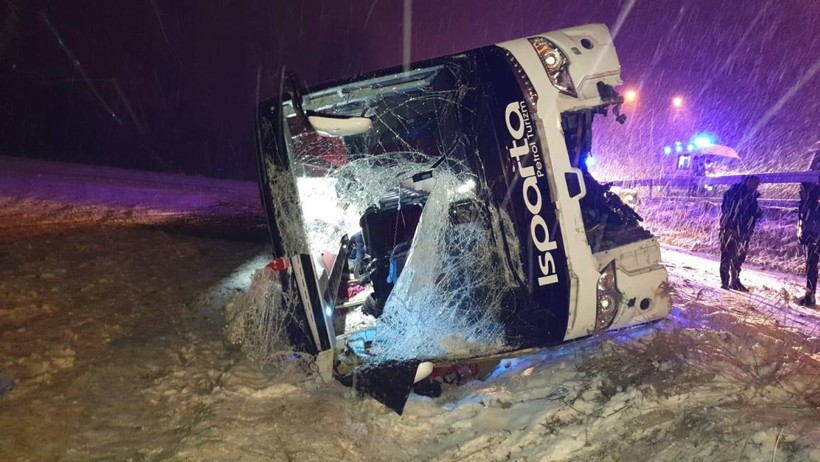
428,387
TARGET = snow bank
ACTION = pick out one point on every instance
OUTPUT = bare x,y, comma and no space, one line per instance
695,226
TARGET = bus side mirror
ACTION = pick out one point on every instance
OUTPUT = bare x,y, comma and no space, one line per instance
340,126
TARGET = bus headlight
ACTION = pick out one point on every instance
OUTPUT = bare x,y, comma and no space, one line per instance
609,297
555,63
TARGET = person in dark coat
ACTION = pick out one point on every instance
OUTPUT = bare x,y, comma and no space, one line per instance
739,214
808,232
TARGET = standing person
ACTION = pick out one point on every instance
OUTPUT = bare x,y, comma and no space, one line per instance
739,214
357,242
808,231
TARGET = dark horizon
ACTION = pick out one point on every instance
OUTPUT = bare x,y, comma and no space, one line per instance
173,86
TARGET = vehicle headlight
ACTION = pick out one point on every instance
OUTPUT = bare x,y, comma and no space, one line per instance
555,63
609,298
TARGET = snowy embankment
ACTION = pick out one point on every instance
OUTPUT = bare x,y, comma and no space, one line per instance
113,332
38,197
694,226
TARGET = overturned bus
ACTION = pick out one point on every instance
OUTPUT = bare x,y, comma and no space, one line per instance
443,212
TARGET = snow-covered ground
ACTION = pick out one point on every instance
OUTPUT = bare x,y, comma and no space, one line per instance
112,289
694,227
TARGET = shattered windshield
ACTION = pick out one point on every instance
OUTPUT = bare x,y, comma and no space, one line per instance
405,185
414,115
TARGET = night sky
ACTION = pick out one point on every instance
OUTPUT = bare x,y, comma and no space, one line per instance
172,85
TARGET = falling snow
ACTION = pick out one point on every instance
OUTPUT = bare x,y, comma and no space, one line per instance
136,318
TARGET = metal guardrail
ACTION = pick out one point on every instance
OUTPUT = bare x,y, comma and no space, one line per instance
698,182
765,203
687,180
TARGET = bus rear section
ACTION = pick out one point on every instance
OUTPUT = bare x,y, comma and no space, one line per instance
442,213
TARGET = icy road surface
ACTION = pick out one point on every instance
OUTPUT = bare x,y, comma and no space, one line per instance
112,285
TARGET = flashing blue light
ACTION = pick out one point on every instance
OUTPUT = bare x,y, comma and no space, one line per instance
702,141
667,150
690,147
591,161
329,310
